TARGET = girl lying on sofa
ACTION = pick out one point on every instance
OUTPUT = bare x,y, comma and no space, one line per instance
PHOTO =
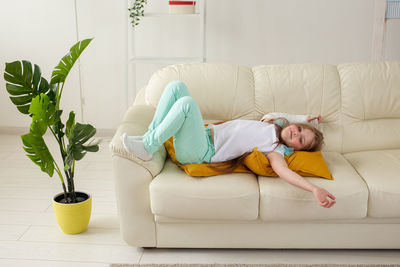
178,115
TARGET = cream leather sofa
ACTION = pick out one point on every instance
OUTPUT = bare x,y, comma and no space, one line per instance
160,206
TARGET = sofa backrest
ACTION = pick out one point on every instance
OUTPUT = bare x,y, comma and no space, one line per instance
360,102
302,89
370,105
223,91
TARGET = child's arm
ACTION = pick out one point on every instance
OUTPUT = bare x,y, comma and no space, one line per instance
279,165
293,118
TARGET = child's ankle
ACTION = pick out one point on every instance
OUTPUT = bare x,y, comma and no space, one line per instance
135,146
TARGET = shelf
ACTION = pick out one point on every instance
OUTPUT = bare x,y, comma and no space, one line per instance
165,59
163,15
147,62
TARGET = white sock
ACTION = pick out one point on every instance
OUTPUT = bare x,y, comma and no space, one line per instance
135,137
135,146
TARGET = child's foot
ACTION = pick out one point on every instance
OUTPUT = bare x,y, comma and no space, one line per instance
135,146
134,137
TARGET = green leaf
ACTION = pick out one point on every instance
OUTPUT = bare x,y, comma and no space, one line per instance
43,112
66,167
63,68
23,109
76,150
22,100
38,152
69,160
93,148
13,89
58,126
70,124
23,84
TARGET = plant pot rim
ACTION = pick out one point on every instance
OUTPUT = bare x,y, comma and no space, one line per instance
77,192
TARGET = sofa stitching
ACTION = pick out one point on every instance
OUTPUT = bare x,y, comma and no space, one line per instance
362,178
259,196
234,197
361,95
272,88
254,111
306,87
155,226
312,199
341,108
236,92
323,87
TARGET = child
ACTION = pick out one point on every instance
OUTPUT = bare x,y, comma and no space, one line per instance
178,115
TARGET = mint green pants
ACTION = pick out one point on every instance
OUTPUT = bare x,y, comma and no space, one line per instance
178,115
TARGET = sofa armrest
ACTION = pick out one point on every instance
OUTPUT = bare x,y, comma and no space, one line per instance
136,220
132,180
136,122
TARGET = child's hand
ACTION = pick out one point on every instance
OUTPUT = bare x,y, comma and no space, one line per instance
311,118
321,195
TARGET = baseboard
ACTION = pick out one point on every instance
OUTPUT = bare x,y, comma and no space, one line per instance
23,130
13,130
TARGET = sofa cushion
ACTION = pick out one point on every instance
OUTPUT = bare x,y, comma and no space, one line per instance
302,89
280,200
224,197
380,171
370,106
208,84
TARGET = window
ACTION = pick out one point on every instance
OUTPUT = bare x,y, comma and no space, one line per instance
393,9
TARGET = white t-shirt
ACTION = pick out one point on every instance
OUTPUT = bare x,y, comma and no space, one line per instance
234,138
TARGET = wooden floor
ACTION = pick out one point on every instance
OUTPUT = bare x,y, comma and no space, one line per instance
30,236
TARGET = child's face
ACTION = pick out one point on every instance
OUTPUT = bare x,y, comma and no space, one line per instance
297,137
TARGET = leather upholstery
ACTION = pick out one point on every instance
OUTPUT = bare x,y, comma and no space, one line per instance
360,103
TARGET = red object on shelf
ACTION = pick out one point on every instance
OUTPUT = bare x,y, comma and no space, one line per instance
182,2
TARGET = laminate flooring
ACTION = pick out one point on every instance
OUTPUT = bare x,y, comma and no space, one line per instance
30,236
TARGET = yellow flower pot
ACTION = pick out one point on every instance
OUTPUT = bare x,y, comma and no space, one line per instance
73,218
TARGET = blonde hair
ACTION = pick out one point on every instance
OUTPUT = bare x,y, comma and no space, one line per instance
315,145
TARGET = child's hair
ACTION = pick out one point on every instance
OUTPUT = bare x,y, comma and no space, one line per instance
315,145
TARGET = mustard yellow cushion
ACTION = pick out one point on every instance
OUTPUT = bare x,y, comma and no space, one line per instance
310,164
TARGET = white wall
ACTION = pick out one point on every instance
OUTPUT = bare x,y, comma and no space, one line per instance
250,32
103,68
39,31
286,31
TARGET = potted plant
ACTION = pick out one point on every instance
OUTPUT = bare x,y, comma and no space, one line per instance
136,11
34,96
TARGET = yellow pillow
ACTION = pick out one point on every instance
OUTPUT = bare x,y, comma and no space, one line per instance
310,164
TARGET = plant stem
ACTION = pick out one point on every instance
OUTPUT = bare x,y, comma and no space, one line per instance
59,96
63,144
73,194
63,152
57,168
58,141
62,181
72,175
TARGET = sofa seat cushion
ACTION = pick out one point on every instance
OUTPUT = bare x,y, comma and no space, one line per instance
225,197
381,172
280,200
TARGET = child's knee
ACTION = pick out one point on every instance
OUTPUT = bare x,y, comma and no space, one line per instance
187,102
190,107
178,87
